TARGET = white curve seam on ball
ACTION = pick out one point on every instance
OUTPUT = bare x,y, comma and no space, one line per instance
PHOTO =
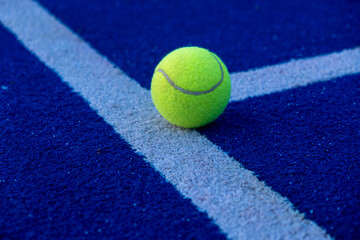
196,93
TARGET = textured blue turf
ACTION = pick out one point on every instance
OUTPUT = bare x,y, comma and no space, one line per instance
305,144
135,35
65,173
63,170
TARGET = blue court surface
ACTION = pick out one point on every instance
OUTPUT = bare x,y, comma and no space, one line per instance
84,154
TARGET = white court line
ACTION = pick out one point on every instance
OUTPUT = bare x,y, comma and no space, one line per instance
241,205
294,74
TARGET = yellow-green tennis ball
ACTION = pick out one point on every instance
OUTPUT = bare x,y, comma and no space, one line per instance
191,87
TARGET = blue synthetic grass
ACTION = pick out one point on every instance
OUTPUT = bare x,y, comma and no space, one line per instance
63,170
305,144
65,173
135,35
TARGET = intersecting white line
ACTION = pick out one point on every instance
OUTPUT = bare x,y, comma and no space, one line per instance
293,74
241,205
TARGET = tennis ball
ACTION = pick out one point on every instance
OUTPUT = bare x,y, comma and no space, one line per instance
190,87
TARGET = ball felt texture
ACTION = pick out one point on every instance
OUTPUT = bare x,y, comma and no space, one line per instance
191,87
